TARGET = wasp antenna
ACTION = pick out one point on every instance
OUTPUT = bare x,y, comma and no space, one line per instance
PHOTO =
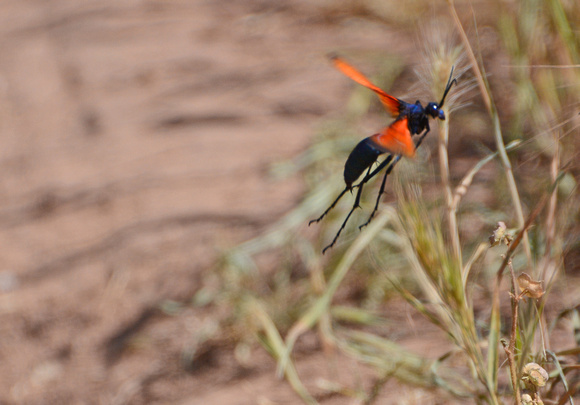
450,83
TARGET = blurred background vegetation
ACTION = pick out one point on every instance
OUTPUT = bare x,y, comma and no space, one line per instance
161,161
519,79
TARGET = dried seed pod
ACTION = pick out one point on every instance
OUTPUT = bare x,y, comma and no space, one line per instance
501,235
534,376
527,399
498,234
532,288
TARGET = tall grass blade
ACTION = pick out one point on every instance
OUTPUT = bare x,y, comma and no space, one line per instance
277,348
322,304
481,248
560,373
488,99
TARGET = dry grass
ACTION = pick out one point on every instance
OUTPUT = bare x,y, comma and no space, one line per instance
430,256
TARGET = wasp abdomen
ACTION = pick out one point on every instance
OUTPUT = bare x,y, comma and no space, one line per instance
360,159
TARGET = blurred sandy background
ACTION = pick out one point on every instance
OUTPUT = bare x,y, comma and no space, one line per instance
135,141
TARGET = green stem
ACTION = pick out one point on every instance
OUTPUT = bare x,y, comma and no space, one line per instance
451,209
489,103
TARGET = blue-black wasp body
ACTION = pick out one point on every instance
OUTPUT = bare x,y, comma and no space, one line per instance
411,119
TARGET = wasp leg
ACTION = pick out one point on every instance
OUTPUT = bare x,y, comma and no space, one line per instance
331,206
361,159
356,204
384,182
381,191
354,207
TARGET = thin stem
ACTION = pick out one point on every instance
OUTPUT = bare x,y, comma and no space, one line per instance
515,243
511,348
507,260
451,207
551,217
549,262
531,218
489,103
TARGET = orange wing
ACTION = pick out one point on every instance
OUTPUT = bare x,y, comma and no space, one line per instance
396,139
392,104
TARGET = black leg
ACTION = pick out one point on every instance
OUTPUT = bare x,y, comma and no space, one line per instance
384,182
331,206
367,177
354,207
377,170
381,191
356,204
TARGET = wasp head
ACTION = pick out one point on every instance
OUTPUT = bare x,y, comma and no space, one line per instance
434,111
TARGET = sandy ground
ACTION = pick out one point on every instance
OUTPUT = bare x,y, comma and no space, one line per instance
135,141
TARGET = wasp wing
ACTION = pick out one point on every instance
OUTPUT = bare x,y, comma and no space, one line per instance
392,104
396,139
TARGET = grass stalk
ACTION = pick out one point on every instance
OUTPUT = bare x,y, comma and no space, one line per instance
565,29
321,305
491,108
551,217
531,218
510,349
444,170
440,278
412,240
277,348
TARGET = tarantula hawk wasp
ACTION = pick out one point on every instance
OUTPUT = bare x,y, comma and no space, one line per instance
411,119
